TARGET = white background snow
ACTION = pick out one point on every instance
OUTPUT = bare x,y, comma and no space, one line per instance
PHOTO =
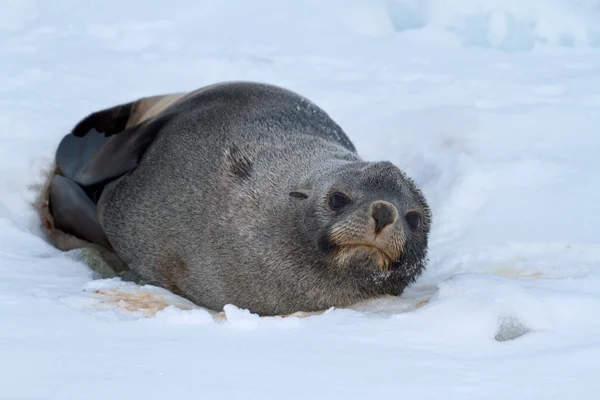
493,106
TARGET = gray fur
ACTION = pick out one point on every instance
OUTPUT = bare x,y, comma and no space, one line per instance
208,214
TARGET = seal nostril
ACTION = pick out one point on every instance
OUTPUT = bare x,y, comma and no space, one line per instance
383,214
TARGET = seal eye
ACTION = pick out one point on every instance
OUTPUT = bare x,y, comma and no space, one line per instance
414,220
338,200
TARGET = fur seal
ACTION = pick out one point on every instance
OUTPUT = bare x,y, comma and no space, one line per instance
239,193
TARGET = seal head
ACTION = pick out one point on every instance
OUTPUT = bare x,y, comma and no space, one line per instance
371,220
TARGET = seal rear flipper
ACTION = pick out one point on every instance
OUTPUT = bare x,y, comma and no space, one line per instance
75,152
119,155
109,121
74,212
114,120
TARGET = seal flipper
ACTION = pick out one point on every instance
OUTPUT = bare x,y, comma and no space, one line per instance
89,135
109,121
74,212
119,155
75,152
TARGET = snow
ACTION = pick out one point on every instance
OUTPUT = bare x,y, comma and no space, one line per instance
492,106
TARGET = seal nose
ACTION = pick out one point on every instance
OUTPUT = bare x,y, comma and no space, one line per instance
384,214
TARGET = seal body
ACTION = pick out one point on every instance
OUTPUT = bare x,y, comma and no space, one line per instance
239,193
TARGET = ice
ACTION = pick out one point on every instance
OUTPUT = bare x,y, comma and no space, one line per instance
507,25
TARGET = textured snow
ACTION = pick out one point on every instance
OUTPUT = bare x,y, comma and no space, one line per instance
492,106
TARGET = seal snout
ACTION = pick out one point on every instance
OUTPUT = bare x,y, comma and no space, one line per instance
371,235
384,214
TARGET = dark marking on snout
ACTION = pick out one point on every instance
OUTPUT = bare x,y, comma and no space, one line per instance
240,164
384,214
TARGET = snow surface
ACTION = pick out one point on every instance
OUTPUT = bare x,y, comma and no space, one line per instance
491,105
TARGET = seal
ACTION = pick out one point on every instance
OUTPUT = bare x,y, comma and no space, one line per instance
240,193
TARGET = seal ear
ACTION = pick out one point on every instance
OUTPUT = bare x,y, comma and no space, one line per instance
93,158
301,194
